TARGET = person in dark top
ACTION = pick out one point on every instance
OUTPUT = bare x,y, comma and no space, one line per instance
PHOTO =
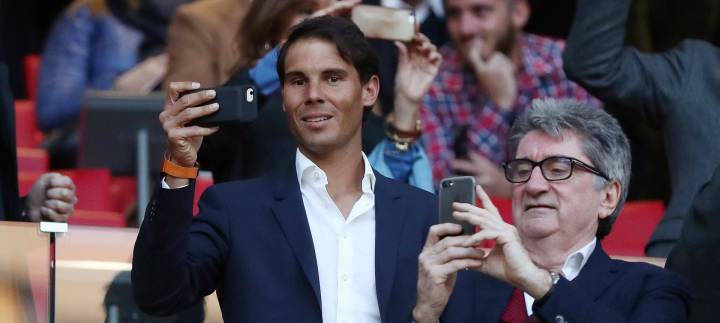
695,254
676,90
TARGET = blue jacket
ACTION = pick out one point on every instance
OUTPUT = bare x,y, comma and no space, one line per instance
83,51
606,290
252,243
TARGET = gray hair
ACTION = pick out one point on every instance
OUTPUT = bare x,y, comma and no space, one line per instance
603,141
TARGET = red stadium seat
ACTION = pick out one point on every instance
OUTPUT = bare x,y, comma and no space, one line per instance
629,234
26,180
633,228
124,193
32,73
32,160
93,188
27,133
201,184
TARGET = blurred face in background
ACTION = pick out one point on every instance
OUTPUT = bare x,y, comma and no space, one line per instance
494,25
302,12
267,24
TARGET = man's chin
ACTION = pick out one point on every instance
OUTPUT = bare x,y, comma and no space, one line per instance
536,228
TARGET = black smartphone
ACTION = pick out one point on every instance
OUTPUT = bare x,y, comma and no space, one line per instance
456,189
238,104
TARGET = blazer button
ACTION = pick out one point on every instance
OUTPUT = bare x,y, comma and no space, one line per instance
560,319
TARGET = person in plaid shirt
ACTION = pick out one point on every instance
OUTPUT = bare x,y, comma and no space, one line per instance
490,72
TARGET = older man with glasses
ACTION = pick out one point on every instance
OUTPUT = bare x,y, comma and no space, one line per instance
569,178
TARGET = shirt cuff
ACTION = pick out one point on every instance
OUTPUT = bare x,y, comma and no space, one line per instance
165,185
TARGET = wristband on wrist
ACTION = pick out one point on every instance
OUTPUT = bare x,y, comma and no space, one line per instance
175,170
403,138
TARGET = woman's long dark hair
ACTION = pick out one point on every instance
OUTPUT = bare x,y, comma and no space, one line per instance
264,24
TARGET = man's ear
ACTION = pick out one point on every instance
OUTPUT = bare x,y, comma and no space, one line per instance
610,199
520,13
370,91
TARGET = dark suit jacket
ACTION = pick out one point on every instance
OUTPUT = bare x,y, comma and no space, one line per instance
252,243
9,202
676,90
696,254
605,291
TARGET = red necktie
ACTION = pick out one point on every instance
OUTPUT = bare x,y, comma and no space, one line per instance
515,312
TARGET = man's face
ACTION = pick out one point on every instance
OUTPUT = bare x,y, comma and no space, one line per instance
323,97
491,25
568,210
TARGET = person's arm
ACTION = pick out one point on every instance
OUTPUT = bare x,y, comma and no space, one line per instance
596,58
418,63
64,69
663,299
189,49
175,263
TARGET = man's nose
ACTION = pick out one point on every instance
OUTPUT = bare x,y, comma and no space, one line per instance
314,92
537,182
468,25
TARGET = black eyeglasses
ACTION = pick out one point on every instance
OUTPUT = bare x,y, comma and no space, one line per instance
554,168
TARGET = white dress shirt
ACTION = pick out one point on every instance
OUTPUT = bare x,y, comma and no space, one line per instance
570,270
344,247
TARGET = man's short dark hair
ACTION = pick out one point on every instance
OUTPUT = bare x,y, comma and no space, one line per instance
347,37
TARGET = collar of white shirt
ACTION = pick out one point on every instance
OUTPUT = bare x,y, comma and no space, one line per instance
305,170
571,269
422,10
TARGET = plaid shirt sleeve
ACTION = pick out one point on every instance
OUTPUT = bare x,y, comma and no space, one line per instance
436,138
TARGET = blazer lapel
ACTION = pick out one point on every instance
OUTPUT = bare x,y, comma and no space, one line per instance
290,213
598,273
389,219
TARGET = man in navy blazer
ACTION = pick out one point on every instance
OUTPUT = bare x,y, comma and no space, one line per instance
569,173
325,240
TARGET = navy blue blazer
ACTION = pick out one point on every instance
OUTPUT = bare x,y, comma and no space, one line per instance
606,290
252,243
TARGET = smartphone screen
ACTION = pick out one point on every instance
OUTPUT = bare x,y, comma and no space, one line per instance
384,23
456,189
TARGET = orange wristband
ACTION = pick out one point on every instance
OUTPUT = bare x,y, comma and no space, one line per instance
175,170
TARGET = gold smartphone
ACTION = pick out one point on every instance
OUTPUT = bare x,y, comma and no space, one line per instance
384,23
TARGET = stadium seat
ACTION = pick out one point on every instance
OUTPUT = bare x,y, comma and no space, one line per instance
32,160
633,228
27,133
32,72
201,184
629,234
124,193
93,188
